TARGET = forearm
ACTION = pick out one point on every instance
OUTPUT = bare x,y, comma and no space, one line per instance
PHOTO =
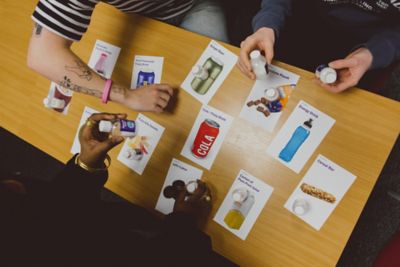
272,15
51,56
384,47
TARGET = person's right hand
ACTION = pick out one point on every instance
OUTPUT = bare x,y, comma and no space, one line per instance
263,39
196,204
153,97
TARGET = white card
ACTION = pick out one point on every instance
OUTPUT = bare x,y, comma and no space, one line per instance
212,68
58,98
206,137
146,70
328,177
296,141
238,216
178,170
76,146
103,58
279,81
137,151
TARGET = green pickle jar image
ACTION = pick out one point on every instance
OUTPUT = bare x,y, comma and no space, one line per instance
205,76
243,201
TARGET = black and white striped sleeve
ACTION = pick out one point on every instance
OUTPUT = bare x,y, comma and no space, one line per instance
67,18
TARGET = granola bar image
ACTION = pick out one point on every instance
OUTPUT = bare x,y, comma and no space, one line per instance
318,193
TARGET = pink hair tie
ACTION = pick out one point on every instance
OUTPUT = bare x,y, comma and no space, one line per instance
106,91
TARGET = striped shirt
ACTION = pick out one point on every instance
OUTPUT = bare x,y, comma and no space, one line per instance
70,18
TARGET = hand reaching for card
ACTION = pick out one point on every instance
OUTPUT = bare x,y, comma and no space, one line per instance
196,204
94,144
350,70
153,98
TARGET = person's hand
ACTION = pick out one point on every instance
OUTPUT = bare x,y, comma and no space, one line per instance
263,39
94,144
196,204
153,97
349,70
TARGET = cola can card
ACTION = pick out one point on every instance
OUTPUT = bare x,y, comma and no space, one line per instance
206,137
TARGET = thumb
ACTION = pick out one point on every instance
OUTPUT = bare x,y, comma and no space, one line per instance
343,63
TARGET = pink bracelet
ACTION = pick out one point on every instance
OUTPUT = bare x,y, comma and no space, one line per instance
106,91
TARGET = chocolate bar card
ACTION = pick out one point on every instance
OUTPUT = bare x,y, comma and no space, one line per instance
301,134
87,112
206,137
179,174
146,71
268,98
103,59
209,72
319,192
137,150
243,204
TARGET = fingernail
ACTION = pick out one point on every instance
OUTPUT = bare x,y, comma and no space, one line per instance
266,68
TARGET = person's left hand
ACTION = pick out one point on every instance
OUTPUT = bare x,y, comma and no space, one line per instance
349,70
94,144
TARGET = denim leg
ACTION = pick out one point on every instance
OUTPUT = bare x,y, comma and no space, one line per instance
206,18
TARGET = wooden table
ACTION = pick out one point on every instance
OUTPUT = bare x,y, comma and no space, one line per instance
366,128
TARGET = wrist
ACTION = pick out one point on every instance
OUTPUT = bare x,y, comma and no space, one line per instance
92,162
267,33
92,167
117,93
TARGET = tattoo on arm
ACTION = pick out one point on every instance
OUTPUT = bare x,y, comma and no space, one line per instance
81,70
118,89
74,87
38,30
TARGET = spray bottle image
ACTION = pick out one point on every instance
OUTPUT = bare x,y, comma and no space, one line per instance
299,136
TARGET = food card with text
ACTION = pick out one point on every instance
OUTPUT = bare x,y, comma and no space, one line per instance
104,57
206,137
58,98
243,204
209,72
319,192
137,150
147,70
268,98
87,112
301,134
178,170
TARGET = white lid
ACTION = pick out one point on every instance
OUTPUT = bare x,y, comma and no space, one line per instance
191,187
239,195
299,210
328,75
196,69
255,54
105,126
53,103
271,94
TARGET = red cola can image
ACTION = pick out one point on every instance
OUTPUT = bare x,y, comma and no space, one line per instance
206,135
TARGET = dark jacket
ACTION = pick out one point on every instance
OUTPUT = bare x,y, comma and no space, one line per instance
379,21
65,223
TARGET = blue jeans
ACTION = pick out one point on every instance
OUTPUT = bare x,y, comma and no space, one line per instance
206,17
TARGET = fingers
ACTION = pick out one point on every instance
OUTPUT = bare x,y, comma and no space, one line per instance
198,193
268,49
165,88
109,143
343,63
244,62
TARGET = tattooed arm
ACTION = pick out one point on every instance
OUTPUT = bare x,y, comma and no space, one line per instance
50,55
